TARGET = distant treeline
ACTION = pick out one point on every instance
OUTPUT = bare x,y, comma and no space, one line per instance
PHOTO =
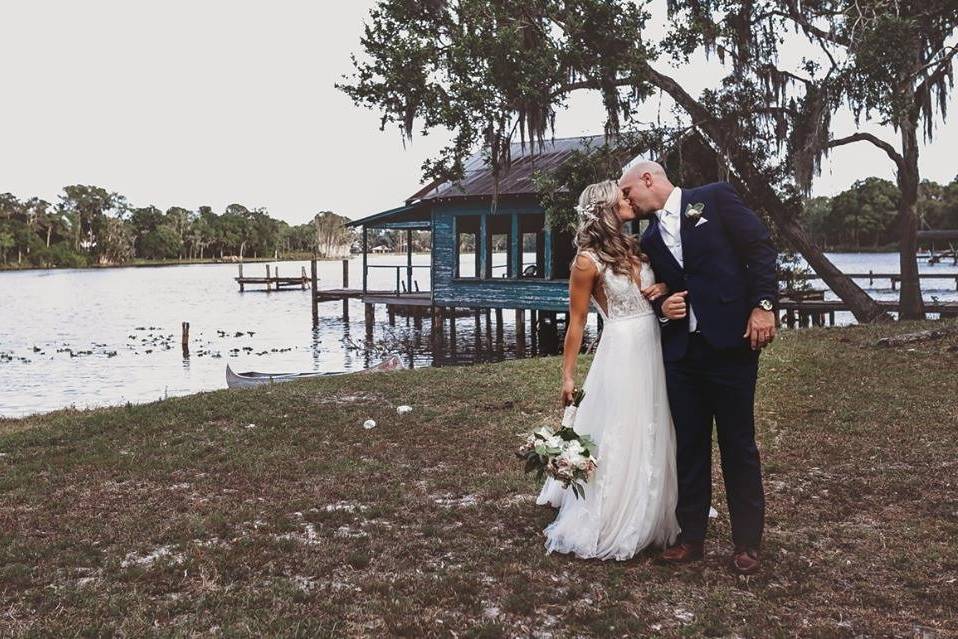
866,215
89,225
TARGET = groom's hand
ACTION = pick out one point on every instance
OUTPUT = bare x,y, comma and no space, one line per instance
674,306
760,330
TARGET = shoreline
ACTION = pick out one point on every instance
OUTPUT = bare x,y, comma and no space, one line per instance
165,263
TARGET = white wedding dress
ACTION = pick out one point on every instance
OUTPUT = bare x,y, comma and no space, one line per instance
629,503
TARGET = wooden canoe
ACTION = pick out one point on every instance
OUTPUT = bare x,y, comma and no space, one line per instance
253,378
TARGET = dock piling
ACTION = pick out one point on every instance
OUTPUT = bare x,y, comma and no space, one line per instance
315,291
346,286
185,339
370,319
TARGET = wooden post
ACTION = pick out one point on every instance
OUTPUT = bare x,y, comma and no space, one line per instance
241,277
185,339
315,291
391,314
370,319
489,329
534,330
478,330
409,260
521,326
345,286
438,321
498,323
365,267
452,324
547,253
267,278
303,272
515,248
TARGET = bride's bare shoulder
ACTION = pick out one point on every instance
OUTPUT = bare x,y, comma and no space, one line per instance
587,260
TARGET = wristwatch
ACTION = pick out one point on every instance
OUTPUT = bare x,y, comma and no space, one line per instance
765,304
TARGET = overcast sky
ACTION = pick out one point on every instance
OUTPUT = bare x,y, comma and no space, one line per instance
191,102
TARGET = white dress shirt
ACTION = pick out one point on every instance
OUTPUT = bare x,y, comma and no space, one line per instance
670,227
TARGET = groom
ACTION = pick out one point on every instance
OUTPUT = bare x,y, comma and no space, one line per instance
720,266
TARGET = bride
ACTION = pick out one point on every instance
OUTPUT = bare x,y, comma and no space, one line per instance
630,501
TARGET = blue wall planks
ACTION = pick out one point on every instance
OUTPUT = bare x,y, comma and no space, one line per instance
496,292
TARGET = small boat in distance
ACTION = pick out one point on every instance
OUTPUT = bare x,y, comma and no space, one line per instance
252,378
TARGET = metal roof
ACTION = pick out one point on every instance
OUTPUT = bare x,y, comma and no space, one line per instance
478,180
410,216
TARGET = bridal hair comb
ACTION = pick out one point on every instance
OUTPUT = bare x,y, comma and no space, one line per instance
587,212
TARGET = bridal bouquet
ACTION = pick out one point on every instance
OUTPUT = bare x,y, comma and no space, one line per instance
561,453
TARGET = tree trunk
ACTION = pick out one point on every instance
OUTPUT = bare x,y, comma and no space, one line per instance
910,301
49,231
785,216
861,304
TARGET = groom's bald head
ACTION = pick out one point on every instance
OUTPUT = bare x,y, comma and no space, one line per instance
646,185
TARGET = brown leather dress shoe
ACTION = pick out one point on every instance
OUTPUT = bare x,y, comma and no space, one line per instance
684,552
745,560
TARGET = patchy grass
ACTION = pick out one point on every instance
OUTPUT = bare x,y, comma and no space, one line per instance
179,518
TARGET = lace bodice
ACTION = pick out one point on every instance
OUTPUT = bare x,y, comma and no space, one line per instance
623,295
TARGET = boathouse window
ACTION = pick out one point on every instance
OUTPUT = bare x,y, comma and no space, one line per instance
498,230
532,255
467,244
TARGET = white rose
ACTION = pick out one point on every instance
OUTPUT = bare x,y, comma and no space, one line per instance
554,441
572,458
574,446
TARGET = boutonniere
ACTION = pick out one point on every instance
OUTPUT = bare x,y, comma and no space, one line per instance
694,211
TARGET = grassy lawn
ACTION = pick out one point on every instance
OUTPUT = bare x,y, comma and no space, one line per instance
273,512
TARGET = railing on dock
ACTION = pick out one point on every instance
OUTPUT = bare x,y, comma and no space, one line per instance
814,312
871,276
273,280
401,286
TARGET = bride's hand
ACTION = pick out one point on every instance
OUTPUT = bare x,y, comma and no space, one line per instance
655,291
566,397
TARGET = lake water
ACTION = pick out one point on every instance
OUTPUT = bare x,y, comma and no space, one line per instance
108,336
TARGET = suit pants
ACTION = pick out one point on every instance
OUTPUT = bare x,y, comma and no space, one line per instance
708,385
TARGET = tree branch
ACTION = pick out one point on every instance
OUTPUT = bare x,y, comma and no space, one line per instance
944,65
895,156
807,26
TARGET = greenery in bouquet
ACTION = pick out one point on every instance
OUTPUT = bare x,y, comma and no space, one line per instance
561,453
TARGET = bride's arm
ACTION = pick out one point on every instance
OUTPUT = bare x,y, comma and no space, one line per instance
581,280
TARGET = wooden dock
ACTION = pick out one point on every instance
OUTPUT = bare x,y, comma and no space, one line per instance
893,278
273,281
388,297
814,312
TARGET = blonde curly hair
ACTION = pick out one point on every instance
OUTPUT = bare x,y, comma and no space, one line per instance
600,229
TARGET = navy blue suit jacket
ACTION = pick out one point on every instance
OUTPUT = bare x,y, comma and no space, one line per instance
729,265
